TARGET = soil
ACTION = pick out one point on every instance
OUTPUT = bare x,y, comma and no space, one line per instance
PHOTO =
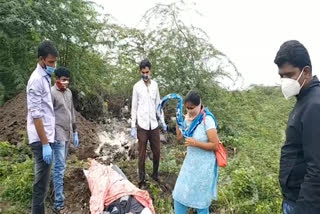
13,121
77,194
13,129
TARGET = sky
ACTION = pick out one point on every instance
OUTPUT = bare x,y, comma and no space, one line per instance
249,32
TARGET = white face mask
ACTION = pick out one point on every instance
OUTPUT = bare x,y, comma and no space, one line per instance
291,87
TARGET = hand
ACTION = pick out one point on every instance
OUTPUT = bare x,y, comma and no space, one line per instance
190,142
164,127
134,133
75,139
47,153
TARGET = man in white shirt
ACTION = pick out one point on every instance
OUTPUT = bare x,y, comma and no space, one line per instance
144,125
41,122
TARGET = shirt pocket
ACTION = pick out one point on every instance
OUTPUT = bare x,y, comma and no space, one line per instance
153,94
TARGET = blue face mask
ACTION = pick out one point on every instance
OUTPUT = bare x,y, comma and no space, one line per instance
49,70
145,78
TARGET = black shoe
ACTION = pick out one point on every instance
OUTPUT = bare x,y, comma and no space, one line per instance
59,210
155,177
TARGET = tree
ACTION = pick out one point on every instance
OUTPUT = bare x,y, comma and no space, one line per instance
72,25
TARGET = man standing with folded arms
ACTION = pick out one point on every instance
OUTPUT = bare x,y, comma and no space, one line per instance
41,122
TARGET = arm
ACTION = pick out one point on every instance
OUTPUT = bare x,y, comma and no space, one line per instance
34,96
157,104
309,190
212,134
212,144
73,115
40,130
134,107
178,132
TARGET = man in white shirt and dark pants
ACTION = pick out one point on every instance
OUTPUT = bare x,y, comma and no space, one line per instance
41,122
144,124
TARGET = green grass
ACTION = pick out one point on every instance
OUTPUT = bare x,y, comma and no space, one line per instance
251,123
16,177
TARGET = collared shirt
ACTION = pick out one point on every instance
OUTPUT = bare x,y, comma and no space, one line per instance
145,100
64,113
39,104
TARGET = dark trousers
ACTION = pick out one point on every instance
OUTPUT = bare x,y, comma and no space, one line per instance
41,179
154,138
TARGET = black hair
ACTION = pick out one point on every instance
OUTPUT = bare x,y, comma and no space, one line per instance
47,47
62,72
192,97
144,63
293,53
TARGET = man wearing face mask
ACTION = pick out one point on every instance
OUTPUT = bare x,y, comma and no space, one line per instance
41,122
144,125
300,155
65,130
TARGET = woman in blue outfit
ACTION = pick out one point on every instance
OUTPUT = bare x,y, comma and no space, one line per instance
196,185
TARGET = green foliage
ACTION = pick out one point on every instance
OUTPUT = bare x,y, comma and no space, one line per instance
172,160
72,25
161,201
8,208
91,105
18,186
182,57
252,123
16,174
103,58
250,191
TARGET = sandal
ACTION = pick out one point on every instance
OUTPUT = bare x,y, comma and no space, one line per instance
60,210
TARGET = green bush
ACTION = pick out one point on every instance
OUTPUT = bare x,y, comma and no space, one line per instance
250,192
16,177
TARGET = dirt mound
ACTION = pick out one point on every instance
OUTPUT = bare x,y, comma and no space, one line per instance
88,138
13,127
13,119
107,142
76,192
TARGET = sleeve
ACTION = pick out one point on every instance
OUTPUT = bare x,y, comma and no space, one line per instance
34,98
210,124
73,113
53,97
309,190
158,100
134,106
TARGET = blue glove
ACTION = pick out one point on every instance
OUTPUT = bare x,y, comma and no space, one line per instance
164,127
134,133
75,139
47,153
